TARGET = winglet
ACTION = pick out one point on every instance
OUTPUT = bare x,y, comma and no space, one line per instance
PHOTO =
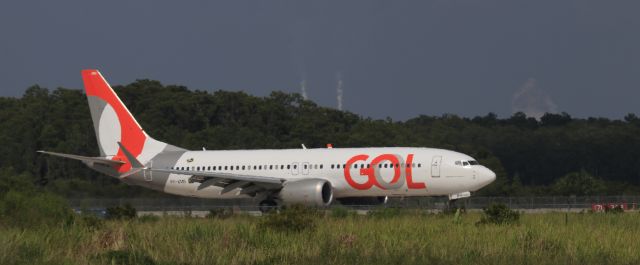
132,159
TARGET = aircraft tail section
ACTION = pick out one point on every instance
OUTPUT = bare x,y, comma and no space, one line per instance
113,123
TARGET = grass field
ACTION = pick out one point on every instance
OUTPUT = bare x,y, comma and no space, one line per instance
408,238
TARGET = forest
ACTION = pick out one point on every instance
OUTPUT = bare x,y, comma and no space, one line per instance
556,155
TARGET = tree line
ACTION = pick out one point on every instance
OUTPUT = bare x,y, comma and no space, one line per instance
557,154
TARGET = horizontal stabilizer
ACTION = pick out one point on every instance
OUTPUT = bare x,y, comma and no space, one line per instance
100,160
132,159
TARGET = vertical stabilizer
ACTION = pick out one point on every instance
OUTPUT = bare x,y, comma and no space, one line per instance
114,123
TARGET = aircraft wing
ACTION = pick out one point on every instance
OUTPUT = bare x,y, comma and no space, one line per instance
249,184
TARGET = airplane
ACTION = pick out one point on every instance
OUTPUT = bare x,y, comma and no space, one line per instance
313,177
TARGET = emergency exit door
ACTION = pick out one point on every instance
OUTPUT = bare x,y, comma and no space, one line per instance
435,166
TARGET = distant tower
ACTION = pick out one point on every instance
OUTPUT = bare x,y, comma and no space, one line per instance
339,90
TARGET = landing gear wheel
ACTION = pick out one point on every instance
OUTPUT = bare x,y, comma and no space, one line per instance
451,204
267,205
451,207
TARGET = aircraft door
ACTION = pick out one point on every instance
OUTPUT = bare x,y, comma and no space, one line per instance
435,166
305,168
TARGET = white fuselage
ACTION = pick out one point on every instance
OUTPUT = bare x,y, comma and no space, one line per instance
369,171
311,177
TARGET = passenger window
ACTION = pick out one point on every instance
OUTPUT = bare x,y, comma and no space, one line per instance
270,167
419,165
332,166
288,166
321,166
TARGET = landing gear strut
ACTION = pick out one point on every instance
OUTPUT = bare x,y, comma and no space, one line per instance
453,207
267,205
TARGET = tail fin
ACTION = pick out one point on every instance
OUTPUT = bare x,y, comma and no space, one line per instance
114,123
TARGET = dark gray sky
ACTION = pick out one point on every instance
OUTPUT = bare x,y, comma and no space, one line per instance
396,58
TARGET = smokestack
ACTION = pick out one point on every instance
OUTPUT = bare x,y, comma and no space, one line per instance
339,90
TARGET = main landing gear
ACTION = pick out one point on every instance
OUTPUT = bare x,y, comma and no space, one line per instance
268,205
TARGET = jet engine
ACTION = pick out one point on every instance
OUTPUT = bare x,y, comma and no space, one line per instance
363,201
308,192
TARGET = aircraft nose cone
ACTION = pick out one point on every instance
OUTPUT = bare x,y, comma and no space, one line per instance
488,176
492,176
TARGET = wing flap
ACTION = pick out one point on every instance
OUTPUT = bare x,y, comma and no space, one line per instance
229,176
248,184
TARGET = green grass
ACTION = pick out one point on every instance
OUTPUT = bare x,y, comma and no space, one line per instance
407,238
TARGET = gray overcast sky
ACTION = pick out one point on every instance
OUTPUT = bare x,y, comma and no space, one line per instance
396,58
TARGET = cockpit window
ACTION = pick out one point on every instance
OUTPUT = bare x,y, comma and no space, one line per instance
466,163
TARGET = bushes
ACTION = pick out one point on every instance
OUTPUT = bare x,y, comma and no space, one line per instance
125,257
121,212
294,218
499,214
220,213
340,212
90,221
386,212
34,209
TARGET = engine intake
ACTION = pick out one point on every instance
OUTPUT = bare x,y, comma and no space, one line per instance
308,192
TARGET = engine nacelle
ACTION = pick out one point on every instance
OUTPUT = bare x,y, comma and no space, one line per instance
308,192
364,201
